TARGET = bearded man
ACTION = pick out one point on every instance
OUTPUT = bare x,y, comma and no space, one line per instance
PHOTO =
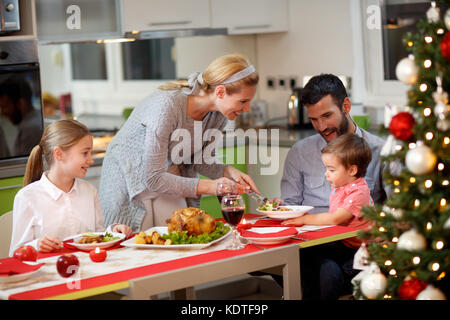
328,107
326,270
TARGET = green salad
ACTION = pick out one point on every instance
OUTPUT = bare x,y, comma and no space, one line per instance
183,238
106,237
268,206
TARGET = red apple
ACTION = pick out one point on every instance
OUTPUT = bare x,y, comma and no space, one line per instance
26,253
67,265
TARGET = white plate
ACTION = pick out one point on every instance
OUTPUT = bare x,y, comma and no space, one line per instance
269,240
20,276
296,211
90,246
164,230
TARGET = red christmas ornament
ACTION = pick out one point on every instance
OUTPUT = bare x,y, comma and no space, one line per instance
445,46
409,289
401,125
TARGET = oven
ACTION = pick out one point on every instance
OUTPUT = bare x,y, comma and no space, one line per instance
9,16
21,114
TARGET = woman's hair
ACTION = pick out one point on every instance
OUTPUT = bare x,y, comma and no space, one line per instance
61,133
218,71
351,150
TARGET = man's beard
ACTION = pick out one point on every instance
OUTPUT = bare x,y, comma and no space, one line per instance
342,129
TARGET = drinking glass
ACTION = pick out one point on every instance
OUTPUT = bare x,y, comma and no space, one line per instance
233,207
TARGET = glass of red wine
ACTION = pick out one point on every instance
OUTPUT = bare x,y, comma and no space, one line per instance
233,207
224,189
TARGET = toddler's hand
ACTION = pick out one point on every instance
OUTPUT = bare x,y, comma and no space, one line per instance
49,244
121,228
294,221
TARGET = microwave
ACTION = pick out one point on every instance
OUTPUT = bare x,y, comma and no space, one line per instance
9,16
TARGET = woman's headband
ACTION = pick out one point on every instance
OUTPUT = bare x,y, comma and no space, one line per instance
235,77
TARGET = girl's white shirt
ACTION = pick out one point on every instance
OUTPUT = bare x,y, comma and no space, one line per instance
41,208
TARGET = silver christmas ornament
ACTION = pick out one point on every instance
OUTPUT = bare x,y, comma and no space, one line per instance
374,283
434,13
443,125
411,240
431,293
447,19
407,71
421,159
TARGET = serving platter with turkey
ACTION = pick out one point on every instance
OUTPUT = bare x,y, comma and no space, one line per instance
188,228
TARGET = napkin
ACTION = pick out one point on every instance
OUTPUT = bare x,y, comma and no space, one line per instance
273,223
11,266
286,231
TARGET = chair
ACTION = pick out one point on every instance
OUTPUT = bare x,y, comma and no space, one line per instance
6,223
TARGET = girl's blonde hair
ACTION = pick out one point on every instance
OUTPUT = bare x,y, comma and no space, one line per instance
218,71
61,133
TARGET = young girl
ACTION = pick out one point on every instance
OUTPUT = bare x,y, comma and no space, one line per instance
326,270
56,204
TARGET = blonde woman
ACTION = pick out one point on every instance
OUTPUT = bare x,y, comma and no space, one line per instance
141,185
56,204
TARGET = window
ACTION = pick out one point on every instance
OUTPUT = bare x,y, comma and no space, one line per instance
141,60
148,59
400,17
88,61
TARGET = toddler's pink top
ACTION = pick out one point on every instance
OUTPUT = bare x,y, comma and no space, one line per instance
352,197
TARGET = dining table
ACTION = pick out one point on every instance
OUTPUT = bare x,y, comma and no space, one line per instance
149,272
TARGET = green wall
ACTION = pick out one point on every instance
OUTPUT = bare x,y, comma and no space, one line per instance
8,189
232,156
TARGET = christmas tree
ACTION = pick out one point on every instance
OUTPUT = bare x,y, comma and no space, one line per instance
407,245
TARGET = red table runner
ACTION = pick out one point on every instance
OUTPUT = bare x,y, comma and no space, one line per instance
129,274
143,271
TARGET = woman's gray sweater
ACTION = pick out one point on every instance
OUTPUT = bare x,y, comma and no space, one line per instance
139,155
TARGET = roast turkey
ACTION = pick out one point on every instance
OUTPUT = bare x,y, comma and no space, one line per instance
193,220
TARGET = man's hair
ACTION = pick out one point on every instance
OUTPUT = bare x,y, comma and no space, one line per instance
351,150
321,86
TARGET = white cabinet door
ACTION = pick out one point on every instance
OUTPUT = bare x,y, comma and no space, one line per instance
77,20
145,15
250,16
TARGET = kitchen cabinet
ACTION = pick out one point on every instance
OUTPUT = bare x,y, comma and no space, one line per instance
250,16
152,15
78,20
27,30
8,189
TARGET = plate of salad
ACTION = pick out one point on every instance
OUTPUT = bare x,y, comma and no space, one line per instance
91,240
272,210
161,238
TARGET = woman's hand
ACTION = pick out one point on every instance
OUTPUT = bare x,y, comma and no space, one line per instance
49,244
241,178
122,228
